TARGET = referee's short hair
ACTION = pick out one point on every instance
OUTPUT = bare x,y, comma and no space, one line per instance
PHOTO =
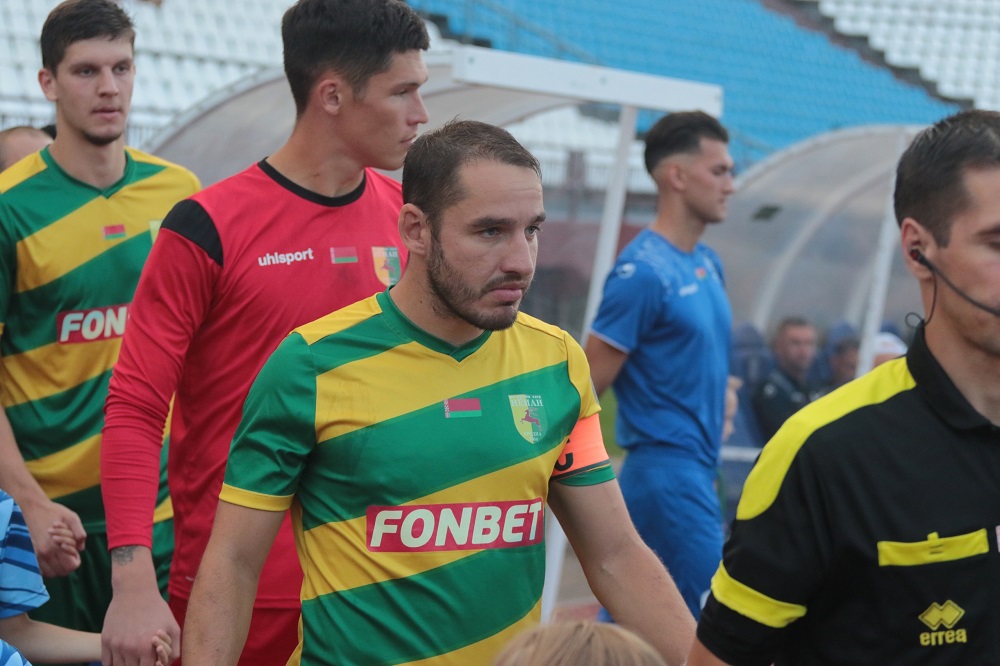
930,177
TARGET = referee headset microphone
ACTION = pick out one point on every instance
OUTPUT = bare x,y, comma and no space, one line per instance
919,257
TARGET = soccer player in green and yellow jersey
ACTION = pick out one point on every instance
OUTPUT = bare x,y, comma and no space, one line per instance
417,435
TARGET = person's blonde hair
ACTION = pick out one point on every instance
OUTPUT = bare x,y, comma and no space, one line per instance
578,643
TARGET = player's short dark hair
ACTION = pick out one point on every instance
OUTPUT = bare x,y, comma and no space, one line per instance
355,38
75,20
681,132
930,177
431,179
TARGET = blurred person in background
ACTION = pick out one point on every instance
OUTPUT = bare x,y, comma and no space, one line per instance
18,142
843,362
661,338
887,347
786,389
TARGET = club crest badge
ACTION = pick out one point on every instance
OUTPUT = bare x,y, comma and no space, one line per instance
387,266
529,416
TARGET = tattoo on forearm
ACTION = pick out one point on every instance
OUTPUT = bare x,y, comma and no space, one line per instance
123,554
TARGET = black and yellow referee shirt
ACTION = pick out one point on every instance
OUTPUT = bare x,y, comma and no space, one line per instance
867,531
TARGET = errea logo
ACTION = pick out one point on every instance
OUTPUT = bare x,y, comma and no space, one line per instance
89,325
944,615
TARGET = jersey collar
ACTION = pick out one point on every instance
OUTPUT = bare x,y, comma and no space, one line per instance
402,325
938,389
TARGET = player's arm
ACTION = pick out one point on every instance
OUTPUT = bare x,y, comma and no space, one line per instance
218,616
779,555
605,362
624,574
40,512
630,305
43,642
732,405
171,302
269,452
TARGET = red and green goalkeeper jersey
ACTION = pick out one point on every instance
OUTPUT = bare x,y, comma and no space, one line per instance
417,473
70,258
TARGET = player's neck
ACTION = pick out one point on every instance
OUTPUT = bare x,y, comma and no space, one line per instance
681,230
418,304
974,371
97,166
311,164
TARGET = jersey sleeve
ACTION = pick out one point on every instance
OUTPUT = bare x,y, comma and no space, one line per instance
172,299
630,305
21,587
277,432
774,560
584,459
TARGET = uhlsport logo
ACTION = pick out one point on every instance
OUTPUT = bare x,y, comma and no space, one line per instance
89,325
281,258
529,416
941,620
387,266
465,526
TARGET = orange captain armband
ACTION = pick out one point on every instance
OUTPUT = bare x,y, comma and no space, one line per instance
584,460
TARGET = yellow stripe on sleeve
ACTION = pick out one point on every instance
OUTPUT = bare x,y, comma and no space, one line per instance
252,500
765,479
752,604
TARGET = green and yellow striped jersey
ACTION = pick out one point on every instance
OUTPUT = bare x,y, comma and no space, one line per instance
70,258
417,474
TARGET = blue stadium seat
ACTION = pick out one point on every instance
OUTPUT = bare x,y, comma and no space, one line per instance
782,83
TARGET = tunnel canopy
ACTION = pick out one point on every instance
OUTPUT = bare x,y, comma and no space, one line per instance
803,232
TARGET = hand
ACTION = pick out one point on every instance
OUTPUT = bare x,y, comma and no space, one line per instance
62,536
57,556
161,643
733,385
137,616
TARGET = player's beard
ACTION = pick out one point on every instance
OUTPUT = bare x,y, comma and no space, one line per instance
99,140
456,298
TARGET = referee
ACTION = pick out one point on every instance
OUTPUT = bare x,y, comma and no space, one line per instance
867,532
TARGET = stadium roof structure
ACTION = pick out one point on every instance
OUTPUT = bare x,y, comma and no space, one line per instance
811,231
